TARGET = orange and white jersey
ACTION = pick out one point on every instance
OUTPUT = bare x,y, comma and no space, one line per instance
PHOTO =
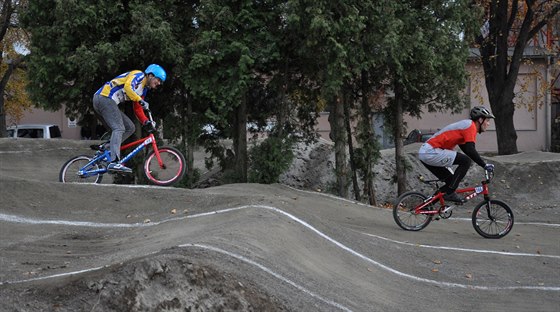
130,86
457,133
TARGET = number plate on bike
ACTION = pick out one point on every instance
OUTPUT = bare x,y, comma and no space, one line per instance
478,189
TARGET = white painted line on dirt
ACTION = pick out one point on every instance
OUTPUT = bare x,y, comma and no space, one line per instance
215,249
148,186
390,210
331,196
338,244
461,249
267,270
399,273
538,224
314,193
516,223
24,220
50,276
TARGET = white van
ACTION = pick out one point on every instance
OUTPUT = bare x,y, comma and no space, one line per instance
34,131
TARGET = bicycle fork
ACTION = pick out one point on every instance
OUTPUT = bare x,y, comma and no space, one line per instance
158,155
149,140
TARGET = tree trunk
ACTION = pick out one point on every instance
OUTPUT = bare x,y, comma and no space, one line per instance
505,129
188,141
501,103
3,85
367,140
284,109
240,141
399,159
347,103
336,120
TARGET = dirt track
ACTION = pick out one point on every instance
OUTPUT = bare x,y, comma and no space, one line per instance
66,247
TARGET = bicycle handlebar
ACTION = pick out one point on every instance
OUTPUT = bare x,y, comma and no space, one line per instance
149,114
151,119
489,175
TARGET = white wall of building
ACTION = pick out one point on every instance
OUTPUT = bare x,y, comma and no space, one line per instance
530,117
68,128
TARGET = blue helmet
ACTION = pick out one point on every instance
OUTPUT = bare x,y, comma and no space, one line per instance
157,71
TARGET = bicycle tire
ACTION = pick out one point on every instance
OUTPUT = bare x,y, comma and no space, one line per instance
69,171
498,224
403,212
175,167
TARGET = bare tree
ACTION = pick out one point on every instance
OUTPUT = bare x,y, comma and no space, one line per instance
10,33
508,21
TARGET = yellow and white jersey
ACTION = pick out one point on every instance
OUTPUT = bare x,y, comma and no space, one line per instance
130,86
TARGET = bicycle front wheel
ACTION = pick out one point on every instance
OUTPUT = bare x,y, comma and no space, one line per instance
70,171
405,215
172,169
492,219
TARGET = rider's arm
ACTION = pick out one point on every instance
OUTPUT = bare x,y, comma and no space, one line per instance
470,150
134,78
139,112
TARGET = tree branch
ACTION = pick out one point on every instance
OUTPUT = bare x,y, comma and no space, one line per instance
513,15
544,21
5,14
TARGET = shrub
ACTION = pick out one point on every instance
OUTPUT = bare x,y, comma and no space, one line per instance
269,160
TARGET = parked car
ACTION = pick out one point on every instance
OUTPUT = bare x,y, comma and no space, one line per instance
416,136
34,131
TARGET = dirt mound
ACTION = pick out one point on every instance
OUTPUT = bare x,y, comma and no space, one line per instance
250,247
529,181
169,281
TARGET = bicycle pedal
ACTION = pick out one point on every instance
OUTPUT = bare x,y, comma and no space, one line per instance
449,208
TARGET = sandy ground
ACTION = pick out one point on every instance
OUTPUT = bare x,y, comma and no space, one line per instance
249,247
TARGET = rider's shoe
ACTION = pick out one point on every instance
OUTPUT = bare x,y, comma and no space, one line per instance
453,197
118,167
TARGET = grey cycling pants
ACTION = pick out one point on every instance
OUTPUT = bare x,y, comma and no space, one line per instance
121,126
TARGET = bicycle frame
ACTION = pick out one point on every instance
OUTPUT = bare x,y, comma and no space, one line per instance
473,192
106,156
143,142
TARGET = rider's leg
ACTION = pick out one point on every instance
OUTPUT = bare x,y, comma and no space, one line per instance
442,173
464,163
117,131
129,127
112,116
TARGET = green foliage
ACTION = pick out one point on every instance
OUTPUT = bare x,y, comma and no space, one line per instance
79,45
270,159
280,58
427,54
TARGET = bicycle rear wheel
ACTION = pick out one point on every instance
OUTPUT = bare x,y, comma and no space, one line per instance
492,219
70,171
404,215
172,171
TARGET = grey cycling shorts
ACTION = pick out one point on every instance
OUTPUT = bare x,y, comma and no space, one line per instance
436,156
